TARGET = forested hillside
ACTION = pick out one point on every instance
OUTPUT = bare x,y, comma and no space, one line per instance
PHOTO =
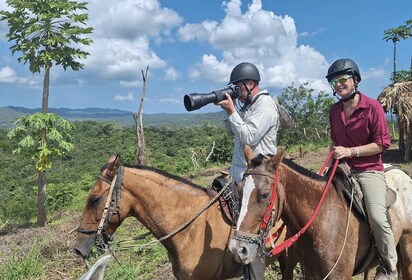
173,150
8,114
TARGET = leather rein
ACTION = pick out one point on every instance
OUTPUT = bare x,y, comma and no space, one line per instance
112,206
268,219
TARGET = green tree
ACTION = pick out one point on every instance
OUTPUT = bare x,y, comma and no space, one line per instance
43,137
310,113
395,35
44,31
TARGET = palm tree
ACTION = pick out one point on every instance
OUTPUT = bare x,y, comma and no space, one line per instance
394,35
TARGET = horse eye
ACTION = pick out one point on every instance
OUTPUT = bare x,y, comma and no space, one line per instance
95,200
264,195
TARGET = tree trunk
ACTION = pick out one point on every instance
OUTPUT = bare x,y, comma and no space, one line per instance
407,149
401,143
141,154
46,83
41,200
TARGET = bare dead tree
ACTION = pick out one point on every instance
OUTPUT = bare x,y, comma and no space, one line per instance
141,153
194,158
317,133
211,152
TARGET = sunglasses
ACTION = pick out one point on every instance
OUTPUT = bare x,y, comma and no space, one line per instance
340,80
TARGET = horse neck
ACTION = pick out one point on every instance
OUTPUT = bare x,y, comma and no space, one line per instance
301,194
161,202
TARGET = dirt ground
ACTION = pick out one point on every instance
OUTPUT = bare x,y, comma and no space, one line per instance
11,237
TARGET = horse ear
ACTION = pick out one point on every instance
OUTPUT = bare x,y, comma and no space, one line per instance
113,164
248,153
277,159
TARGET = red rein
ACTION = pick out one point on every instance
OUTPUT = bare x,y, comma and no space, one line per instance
288,242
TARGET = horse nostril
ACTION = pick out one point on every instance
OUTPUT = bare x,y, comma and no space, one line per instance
78,252
242,251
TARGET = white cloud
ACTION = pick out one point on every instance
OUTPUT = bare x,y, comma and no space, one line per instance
7,75
260,37
210,69
199,32
127,97
123,31
131,18
170,100
171,74
121,58
374,73
130,84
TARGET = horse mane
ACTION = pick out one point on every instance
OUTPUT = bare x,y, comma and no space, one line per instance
303,170
164,173
259,159
256,161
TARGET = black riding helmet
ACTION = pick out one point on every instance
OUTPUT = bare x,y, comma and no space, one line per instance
343,66
244,71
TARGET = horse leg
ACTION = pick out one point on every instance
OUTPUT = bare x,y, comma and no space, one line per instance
367,274
287,263
405,255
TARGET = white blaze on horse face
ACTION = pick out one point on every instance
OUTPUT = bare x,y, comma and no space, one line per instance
247,191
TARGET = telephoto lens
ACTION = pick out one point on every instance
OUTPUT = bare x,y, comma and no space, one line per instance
195,101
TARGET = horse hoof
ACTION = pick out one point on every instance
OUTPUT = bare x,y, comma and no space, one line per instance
382,274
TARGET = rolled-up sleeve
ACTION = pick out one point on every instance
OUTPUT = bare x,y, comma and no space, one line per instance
380,127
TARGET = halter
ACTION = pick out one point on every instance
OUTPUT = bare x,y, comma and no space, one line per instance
111,207
268,220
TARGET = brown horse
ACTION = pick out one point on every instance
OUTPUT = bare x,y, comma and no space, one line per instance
162,203
336,244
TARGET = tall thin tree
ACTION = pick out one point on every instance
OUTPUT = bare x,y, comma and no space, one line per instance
47,33
395,35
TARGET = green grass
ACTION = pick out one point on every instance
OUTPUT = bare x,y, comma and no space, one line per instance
24,265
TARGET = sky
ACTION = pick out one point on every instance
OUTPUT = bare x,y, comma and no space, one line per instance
191,46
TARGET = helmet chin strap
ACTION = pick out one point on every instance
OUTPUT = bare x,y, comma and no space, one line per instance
249,92
352,96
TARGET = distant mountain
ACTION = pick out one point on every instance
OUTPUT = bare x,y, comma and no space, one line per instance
10,113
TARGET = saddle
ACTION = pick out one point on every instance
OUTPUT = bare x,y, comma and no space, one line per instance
346,183
229,200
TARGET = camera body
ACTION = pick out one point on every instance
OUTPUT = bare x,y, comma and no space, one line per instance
196,101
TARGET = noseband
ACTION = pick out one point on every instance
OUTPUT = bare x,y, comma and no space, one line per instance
111,207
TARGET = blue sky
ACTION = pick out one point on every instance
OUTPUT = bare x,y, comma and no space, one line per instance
191,46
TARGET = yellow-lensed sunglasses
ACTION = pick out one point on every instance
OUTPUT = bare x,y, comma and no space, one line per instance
340,80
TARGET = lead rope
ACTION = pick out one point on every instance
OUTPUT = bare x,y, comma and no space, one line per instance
288,242
173,233
321,171
345,239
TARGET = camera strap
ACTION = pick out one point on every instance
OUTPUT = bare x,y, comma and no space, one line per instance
248,105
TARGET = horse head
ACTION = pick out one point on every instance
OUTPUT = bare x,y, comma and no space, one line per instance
261,205
103,212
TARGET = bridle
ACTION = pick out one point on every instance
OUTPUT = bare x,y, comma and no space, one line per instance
268,220
112,206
